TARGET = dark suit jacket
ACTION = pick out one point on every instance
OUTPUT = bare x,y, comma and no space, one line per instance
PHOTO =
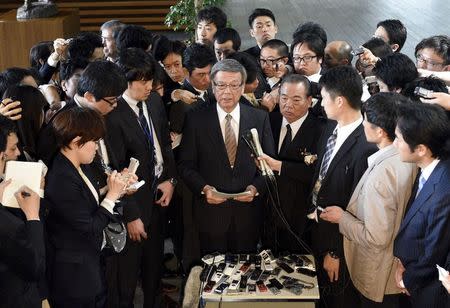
423,238
22,260
254,51
204,161
46,147
46,72
344,172
75,225
126,139
295,179
179,109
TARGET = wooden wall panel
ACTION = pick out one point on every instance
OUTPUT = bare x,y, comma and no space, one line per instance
17,37
149,14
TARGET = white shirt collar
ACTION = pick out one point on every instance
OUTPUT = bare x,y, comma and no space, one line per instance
201,92
346,130
426,172
315,77
75,99
236,114
272,81
131,101
372,158
295,126
343,133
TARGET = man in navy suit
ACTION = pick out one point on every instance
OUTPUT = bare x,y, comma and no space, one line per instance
214,157
423,137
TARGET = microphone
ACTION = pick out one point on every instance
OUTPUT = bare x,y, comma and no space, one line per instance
264,166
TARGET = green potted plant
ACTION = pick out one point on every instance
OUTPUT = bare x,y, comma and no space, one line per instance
182,15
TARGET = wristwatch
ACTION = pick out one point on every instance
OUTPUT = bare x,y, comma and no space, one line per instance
173,181
333,254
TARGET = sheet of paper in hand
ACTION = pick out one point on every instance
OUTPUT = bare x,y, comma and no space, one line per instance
223,195
21,173
442,273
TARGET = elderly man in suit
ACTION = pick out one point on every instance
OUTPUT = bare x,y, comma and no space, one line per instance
295,132
376,208
214,157
423,137
342,160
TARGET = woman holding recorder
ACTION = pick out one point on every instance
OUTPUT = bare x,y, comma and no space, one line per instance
77,215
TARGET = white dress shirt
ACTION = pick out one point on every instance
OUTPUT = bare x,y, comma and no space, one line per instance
295,126
201,93
315,77
235,114
159,158
342,135
426,172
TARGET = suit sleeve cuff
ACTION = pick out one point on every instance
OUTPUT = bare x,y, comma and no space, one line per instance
108,205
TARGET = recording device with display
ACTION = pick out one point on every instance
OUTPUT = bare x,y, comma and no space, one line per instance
357,51
422,92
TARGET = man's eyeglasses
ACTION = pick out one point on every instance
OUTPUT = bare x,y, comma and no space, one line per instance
271,62
111,102
223,86
428,62
305,59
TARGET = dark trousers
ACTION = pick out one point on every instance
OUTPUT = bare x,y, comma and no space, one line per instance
433,295
389,301
238,238
95,302
144,258
337,294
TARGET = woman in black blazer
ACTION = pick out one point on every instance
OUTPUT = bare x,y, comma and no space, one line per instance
77,217
22,248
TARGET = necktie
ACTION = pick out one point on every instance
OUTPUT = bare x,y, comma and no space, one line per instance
421,183
414,192
230,140
144,125
331,142
286,141
148,132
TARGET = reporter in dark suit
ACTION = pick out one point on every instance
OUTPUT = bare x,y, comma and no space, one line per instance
138,128
77,216
212,155
98,88
22,249
342,160
423,137
198,60
22,253
295,132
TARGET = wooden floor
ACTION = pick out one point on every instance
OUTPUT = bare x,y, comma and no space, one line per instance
350,20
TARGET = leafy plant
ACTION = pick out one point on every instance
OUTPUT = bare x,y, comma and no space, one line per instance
182,15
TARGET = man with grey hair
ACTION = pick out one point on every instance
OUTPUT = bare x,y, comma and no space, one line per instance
213,158
109,31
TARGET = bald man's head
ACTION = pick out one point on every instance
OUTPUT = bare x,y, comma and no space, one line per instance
338,53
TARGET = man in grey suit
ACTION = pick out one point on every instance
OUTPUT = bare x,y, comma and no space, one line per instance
374,213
